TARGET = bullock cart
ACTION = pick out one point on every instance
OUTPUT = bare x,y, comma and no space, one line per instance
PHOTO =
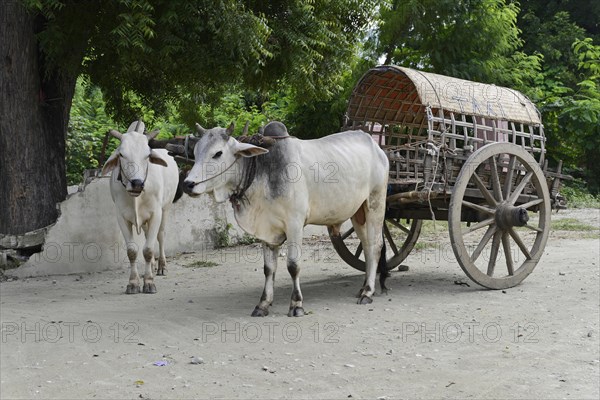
463,152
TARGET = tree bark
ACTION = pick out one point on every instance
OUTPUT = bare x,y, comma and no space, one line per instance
34,114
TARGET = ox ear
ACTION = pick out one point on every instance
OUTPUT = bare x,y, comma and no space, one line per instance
111,163
248,150
155,158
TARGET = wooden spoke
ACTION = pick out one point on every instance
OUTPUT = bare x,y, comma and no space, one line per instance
478,207
496,180
507,253
532,203
484,241
519,243
401,243
347,233
517,178
509,175
479,225
519,189
484,191
494,252
533,228
399,226
358,251
388,236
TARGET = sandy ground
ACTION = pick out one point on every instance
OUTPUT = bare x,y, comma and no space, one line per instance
431,337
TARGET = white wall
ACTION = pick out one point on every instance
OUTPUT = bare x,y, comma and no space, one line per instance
86,237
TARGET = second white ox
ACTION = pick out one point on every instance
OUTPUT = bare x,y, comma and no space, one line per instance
276,192
143,186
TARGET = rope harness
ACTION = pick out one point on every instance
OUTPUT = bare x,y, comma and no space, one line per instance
238,197
219,174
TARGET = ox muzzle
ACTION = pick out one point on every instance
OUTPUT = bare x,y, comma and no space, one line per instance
137,186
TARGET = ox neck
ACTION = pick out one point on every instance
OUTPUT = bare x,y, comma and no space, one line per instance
247,169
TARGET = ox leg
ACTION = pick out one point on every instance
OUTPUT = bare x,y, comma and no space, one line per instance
133,287
151,236
152,262
369,233
293,257
162,259
270,257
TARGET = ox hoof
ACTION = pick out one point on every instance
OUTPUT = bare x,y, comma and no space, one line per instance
365,300
132,289
161,271
296,312
259,312
149,288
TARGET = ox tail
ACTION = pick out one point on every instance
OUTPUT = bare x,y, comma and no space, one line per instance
179,191
382,267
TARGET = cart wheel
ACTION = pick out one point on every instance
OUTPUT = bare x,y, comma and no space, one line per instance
395,231
513,213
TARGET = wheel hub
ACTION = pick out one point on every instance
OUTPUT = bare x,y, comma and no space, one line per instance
508,216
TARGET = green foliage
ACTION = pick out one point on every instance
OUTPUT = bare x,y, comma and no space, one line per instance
201,264
222,236
475,40
566,90
88,125
155,53
240,107
325,116
247,240
177,62
547,51
583,14
572,113
578,196
552,38
571,224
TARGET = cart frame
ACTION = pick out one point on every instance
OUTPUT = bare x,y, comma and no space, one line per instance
468,153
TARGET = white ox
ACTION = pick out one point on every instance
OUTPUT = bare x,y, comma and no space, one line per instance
276,192
143,186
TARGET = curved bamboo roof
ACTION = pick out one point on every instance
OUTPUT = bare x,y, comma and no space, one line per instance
392,95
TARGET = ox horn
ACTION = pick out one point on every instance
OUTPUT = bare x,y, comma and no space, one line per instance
153,134
230,129
137,126
116,134
245,131
200,129
178,149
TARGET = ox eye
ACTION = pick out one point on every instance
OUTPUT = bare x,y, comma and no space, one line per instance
218,154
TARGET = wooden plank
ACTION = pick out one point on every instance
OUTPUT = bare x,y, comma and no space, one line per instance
25,240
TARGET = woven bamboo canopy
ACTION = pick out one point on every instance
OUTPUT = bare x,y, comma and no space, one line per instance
396,95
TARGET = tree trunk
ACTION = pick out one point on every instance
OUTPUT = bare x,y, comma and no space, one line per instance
34,113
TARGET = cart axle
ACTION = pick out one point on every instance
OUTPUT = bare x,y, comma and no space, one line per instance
508,216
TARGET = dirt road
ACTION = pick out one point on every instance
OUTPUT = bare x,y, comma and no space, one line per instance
436,335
